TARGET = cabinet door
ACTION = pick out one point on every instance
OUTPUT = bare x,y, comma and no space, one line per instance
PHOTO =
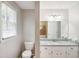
42,52
59,52
45,52
50,52
72,51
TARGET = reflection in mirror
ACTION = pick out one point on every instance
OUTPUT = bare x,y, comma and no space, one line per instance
47,30
43,29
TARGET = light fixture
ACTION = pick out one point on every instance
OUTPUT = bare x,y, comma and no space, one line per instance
54,18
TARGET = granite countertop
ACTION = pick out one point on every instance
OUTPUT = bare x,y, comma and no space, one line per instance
58,43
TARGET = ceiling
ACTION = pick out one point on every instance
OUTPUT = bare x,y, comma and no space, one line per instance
46,4
26,4
57,4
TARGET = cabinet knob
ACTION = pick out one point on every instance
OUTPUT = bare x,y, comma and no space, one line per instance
68,53
56,53
45,48
60,53
40,51
71,48
51,51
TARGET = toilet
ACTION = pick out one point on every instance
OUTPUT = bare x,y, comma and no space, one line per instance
28,47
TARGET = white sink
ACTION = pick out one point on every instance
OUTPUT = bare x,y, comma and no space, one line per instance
48,43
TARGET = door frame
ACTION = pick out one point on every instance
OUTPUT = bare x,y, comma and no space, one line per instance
37,29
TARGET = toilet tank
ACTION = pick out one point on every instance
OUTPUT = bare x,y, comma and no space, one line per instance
28,45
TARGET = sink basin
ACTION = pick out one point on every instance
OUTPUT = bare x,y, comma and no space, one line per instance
48,43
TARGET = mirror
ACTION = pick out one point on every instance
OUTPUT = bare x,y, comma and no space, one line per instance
54,24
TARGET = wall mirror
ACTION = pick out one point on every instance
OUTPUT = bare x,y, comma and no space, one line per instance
54,24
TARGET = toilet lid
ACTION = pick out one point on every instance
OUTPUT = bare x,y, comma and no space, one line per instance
27,53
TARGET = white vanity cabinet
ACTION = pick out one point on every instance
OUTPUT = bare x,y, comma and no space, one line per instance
72,51
59,51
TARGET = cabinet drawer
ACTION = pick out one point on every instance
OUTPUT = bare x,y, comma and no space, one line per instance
59,52
45,52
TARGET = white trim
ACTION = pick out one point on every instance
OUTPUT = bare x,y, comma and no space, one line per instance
8,37
0,23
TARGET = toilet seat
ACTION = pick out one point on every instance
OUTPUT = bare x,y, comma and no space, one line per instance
27,54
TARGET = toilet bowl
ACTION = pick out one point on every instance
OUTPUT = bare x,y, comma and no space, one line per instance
28,47
26,54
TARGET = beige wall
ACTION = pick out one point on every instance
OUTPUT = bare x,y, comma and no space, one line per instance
11,47
28,24
74,22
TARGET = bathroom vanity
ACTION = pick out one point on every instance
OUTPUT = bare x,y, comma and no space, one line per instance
57,36
58,49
